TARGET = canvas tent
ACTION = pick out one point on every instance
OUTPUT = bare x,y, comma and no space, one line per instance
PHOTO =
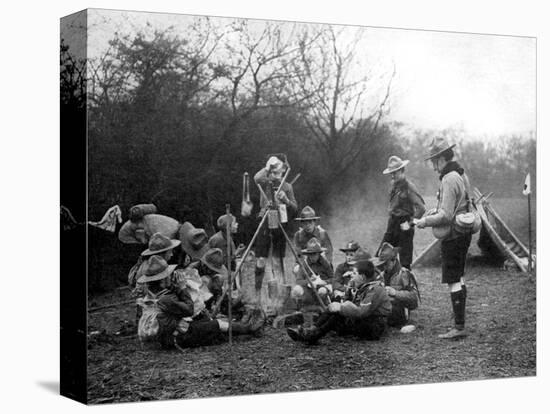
495,239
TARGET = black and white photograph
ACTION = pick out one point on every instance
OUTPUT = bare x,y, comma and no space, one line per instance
273,206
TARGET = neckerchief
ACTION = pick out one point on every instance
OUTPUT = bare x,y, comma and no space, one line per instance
449,167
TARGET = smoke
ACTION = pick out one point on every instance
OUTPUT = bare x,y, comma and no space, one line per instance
357,212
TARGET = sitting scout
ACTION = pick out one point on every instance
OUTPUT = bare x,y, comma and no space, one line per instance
400,284
176,325
158,245
343,271
213,272
194,242
363,313
219,240
321,278
309,229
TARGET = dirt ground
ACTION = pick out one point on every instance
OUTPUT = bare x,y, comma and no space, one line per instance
501,343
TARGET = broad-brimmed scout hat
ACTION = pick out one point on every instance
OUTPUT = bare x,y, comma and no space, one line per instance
156,268
351,246
313,246
283,161
387,252
276,163
194,241
159,243
222,220
438,146
395,164
213,259
362,260
307,214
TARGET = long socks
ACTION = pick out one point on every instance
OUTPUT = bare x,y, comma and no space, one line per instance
458,300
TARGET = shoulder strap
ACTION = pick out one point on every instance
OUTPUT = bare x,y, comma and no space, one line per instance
459,201
412,279
159,294
412,187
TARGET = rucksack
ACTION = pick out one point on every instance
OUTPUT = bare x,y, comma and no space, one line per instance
148,325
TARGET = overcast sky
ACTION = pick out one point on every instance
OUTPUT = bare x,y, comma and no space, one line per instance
485,84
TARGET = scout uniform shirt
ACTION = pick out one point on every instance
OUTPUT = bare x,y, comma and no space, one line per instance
338,282
370,299
405,200
301,238
404,284
261,178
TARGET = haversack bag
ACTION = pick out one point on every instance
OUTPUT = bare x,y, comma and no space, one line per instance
469,222
441,232
148,326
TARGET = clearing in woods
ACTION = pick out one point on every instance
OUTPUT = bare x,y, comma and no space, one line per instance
501,322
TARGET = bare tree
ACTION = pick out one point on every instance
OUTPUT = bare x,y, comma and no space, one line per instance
258,57
346,101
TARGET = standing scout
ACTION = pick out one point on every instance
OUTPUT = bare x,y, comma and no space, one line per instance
269,179
406,204
452,199
309,229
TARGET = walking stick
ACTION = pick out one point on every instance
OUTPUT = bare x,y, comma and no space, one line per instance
230,279
239,267
530,261
305,266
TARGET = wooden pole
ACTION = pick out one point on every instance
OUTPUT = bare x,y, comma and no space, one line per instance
308,271
239,267
530,265
230,278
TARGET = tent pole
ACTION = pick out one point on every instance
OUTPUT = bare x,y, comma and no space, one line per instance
530,245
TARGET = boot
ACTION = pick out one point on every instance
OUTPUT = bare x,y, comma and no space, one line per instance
295,334
259,272
309,336
254,326
239,328
247,313
458,301
459,308
453,333
256,321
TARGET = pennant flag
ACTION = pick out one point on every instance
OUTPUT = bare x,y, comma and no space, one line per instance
527,185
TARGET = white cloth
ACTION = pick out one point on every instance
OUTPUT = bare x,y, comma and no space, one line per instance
109,220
